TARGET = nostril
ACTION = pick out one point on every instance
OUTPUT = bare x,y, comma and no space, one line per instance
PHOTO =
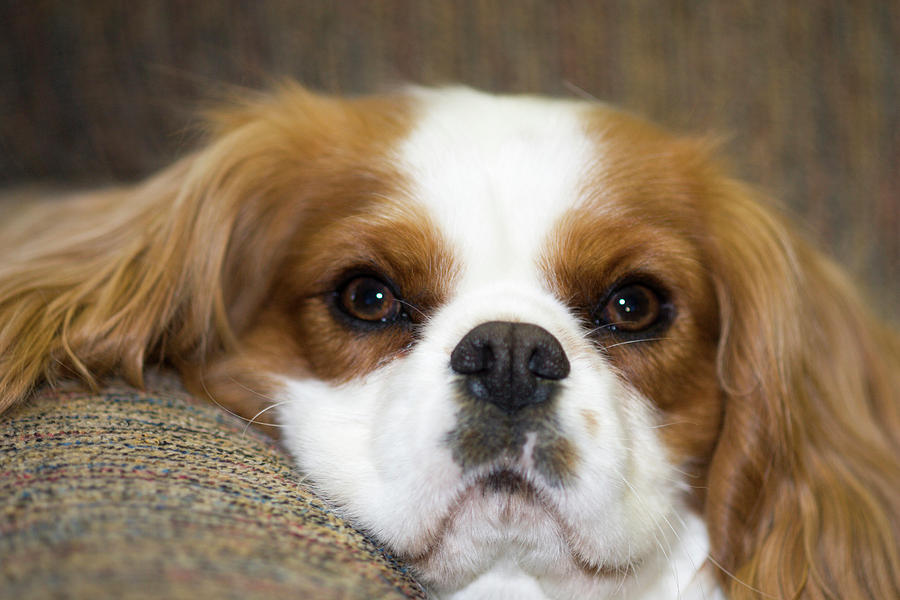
472,356
549,361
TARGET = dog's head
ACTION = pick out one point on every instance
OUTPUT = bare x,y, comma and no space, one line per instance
515,335
506,349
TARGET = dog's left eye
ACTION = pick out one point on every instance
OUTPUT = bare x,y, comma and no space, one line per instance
630,309
369,299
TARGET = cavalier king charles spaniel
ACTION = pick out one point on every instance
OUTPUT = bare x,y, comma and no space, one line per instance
537,348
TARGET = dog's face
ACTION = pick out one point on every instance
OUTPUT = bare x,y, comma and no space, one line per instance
503,352
535,347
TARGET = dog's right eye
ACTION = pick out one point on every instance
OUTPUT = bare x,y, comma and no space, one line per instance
369,299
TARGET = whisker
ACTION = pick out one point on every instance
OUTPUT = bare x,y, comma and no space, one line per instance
670,424
252,391
709,558
731,575
253,420
590,332
424,316
684,473
734,577
653,339
230,412
644,506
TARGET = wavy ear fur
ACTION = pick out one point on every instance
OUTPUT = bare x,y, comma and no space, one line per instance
804,498
170,269
104,282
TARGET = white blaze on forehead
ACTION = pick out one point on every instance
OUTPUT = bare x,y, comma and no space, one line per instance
496,173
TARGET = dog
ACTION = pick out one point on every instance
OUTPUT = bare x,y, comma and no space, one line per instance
538,348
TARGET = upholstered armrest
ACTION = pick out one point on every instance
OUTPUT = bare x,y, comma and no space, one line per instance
130,494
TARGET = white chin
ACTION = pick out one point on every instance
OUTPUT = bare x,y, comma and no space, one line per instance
504,522
497,545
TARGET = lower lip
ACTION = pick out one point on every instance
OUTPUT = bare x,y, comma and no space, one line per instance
505,482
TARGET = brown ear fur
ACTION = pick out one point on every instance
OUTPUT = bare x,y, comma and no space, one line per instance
172,268
804,498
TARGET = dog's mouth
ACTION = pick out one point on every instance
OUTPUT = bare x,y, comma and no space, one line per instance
510,495
506,492
510,505
507,482
503,495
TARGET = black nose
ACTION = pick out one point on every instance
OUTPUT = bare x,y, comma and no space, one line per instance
510,365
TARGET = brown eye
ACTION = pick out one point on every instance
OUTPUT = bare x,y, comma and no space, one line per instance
630,308
369,299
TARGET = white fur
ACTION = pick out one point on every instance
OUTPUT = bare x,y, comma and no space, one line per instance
495,174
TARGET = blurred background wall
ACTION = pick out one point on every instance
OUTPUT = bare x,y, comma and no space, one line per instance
807,92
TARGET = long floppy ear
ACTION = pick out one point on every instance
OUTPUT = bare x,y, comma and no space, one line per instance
171,268
804,497
103,282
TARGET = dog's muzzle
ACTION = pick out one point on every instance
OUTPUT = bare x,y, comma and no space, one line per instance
508,377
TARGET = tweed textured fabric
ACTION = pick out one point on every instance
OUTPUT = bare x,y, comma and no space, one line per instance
129,494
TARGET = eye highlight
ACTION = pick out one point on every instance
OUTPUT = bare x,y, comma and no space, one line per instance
631,308
369,299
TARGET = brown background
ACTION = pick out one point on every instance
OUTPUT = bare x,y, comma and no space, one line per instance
808,93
